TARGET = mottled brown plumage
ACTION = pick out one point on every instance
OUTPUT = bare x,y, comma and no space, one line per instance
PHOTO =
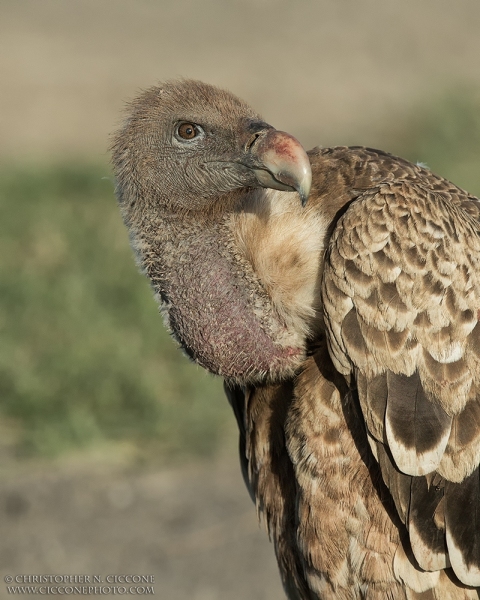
346,330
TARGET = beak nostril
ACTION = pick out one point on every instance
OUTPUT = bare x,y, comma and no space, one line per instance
252,142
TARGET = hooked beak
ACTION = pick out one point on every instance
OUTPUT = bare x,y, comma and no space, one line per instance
279,161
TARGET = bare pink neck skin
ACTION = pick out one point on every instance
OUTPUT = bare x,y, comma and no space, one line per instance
209,306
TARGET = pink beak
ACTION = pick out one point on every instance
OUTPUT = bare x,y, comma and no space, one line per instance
285,164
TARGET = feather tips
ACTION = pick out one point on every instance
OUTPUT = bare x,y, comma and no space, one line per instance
427,534
417,429
462,521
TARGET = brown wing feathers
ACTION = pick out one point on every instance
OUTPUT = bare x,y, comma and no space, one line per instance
417,429
462,520
400,297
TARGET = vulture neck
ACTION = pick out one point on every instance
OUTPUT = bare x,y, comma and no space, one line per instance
231,292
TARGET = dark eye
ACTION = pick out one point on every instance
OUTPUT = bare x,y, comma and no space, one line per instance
187,131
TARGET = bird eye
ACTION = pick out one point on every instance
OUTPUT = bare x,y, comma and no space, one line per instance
188,131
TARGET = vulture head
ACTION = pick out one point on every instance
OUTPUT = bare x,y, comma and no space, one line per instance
193,164
187,143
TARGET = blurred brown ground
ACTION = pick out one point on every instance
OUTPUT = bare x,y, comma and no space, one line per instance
193,529
329,72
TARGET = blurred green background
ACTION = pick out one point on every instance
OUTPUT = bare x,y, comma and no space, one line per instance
84,358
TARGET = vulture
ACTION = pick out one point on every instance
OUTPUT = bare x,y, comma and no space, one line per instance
337,293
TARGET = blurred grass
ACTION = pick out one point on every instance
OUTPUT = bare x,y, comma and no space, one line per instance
444,133
84,357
